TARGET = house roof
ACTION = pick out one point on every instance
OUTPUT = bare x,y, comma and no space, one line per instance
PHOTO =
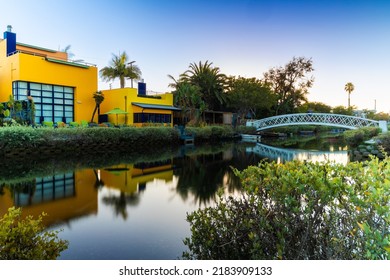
155,106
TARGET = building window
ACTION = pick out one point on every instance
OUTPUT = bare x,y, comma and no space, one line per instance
52,102
151,118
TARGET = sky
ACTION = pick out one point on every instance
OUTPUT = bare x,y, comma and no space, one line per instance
348,41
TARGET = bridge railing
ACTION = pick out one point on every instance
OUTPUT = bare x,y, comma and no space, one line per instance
336,120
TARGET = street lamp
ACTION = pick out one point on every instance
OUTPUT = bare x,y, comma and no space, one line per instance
131,68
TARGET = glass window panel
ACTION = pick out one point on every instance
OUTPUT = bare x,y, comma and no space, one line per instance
58,178
21,84
22,91
47,87
69,108
47,100
68,95
37,99
58,108
35,86
35,93
58,88
68,120
68,89
47,94
47,107
57,119
70,102
47,185
58,101
58,95
47,114
58,113
69,114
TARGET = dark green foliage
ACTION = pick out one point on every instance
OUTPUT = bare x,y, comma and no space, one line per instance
242,129
290,84
26,239
357,136
211,133
250,98
298,210
384,141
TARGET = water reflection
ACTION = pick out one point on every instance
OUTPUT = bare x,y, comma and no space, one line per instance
62,196
135,208
282,155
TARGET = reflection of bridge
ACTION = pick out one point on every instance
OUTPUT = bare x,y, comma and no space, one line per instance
282,155
335,120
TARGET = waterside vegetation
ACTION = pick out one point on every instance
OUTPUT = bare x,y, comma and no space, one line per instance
298,210
26,238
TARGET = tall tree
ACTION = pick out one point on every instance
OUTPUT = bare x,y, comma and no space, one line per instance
290,84
210,81
249,96
349,87
119,67
188,97
99,97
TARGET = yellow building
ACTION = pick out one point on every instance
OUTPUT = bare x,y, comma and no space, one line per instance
62,90
139,109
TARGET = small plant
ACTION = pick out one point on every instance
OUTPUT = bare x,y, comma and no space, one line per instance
26,239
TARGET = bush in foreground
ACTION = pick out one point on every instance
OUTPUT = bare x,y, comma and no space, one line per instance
299,210
25,239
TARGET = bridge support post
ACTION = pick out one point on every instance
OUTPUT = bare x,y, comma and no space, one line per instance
383,126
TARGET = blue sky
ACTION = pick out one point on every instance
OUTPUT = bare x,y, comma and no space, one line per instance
348,41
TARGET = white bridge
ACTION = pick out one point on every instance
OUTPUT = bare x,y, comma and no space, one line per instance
335,120
282,155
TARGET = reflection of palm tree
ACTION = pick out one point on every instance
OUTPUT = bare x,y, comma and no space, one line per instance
99,182
204,174
120,203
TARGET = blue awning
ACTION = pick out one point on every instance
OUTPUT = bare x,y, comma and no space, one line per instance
155,106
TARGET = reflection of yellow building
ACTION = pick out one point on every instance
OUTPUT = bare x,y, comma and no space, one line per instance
62,197
129,178
140,108
62,90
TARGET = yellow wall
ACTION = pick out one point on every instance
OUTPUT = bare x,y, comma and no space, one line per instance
123,97
26,67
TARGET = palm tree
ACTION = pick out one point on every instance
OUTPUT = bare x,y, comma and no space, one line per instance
210,81
349,87
99,97
120,68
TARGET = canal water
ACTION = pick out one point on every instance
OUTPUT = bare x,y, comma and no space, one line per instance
137,209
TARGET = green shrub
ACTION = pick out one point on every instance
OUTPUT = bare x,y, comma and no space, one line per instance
210,133
242,129
25,239
299,210
357,136
384,141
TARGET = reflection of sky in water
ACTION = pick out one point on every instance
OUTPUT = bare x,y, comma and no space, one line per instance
152,229
282,155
